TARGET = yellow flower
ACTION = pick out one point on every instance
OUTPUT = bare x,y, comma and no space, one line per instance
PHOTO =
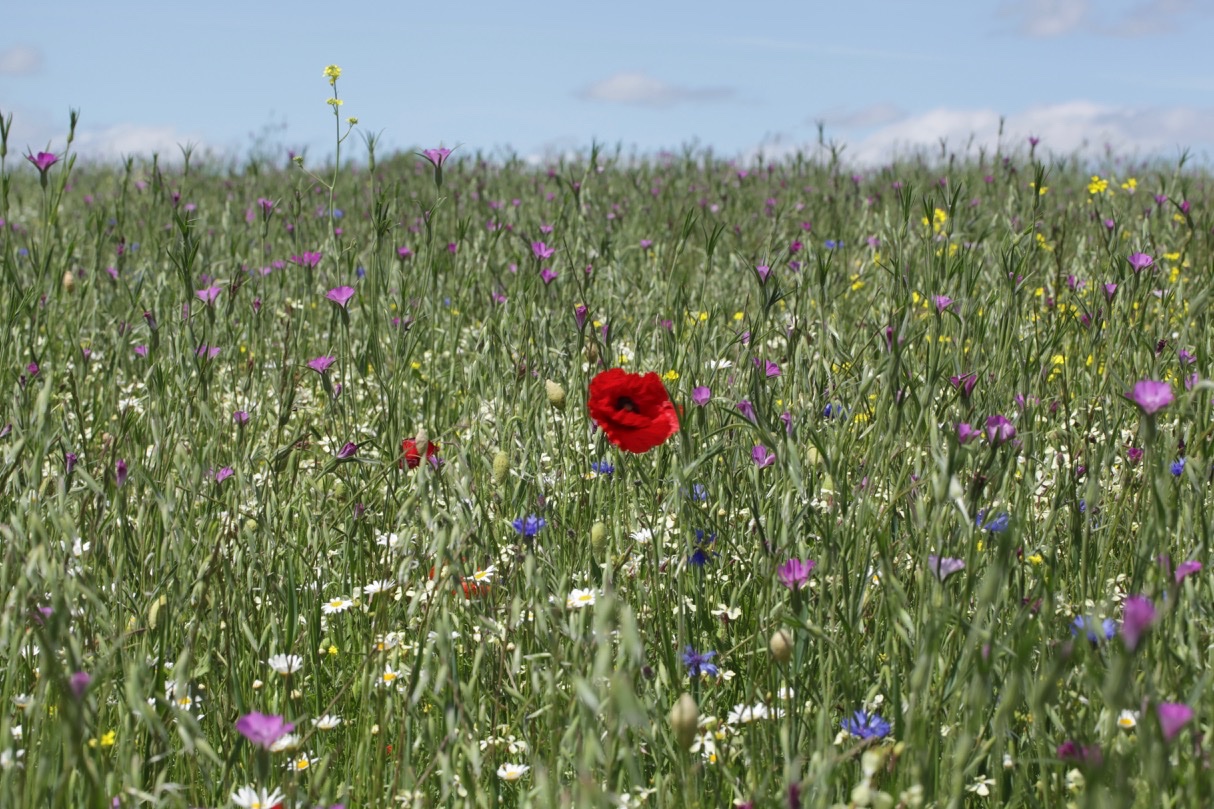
1097,185
351,120
107,738
670,375
1036,559
335,102
1130,184
1172,256
332,73
1041,192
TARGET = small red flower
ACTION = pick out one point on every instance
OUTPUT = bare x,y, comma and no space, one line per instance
412,454
633,410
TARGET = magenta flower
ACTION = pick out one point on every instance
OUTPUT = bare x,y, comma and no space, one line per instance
223,474
965,383
547,275
207,352
404,253
1109,291
701,395
944,566
1173,716
999,430
347,451
1140,261
42,161
340,295
542,251
1186,569
580,313
769,367
1138,613
208,295
263,729
763,271
321,364
748,410
762,456
79,683
309,260
966,432
646,244
241,417
1151,396
942,302
437,157
120,472
794,574
1133,454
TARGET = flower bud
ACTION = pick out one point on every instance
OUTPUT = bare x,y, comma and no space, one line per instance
69,282
598,540
685,720
556,394
781,646
501,465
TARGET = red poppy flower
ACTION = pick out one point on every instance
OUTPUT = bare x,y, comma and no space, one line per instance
412,454
633,410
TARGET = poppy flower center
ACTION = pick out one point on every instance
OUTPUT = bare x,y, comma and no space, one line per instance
624,403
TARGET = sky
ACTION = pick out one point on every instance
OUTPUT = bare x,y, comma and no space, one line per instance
540,78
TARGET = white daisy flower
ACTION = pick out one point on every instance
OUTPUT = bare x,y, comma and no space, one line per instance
579,598
249,797
285,664
512,772
484,576
326,722
336,604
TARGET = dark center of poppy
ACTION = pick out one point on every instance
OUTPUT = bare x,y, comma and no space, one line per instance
624,403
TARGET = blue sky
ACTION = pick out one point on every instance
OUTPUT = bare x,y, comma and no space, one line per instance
546,76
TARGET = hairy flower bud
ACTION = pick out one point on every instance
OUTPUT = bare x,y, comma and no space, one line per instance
781,646
69,282
685,720
501,465
598,540
556,394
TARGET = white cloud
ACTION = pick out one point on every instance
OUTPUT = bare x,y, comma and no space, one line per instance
1045,18
1151,18
113,142
862,118
1062,128
20,60
643,90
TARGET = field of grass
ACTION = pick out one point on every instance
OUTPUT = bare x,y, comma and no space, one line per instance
311,446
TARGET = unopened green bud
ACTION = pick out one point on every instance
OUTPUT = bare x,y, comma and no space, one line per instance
781,646
598,540
685,720
501,465
556,394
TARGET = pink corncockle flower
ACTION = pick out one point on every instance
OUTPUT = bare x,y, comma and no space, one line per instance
1109,291
79,683
548,275
769,367
1186,569
241,417
966,432
120,472
944,566
437,157
542,251
1173,716
1151,396
347,451
1138,613
942,302
208,295
762,456
263,729
999,430
794,574
580,313
340,295
1140,261
763,271
308,259
207,352
646,244
321,364
42,161
747,409
964,383
701,395
404,252
223,474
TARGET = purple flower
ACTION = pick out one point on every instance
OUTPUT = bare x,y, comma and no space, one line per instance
347,451
944,566
942,302
701,395
208,295
547,275
1138,613
966,432
965,383
999,430
309,260
404,253
794,574
748,410
1140,261
241,417
42,161
263,729
646,244
223,474
1186,569
1133,454
1151,396
698,663
864,725
207,352
763,271
1109,291
69,462
340,295
321,364
529,526
762,456
79,683
120,472
580,313
437,157
1077,754
1086,625
541,250
1173,716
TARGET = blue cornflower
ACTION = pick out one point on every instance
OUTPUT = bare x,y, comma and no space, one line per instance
699,491
1177,467
700,556
832,410
996,524
831,244
697,663
864,725
1108,627
361,272
602,467
530,525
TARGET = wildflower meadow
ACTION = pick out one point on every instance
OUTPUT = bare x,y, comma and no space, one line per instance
445,478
